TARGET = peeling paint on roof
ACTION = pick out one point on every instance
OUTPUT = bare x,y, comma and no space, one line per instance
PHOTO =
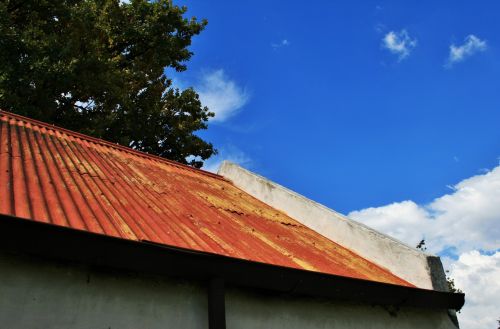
57,176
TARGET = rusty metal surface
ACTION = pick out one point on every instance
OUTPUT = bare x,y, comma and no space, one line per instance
53,175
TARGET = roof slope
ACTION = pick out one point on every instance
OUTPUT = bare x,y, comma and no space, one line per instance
53,175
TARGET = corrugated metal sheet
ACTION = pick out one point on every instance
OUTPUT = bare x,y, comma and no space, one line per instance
53,175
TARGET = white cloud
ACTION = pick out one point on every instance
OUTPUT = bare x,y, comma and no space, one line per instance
230,153
471,45
463,222
479,276
401,220
221,94
466,219
399,43
282,43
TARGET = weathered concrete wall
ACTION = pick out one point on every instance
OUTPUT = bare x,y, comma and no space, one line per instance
251,310
37,294
423,270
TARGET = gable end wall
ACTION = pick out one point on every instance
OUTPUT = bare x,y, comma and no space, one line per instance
421,269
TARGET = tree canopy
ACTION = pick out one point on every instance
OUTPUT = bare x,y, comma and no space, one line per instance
97,67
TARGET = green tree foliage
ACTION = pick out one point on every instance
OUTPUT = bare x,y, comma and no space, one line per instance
97,66
451,284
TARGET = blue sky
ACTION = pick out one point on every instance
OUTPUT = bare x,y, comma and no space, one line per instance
333,114
388,112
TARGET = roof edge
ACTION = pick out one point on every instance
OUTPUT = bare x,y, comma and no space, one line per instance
222,171
107,143
421,269
66,244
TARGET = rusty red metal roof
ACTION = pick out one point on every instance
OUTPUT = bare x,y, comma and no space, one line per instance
53,175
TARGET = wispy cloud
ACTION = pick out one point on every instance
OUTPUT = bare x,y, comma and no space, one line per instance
463,226
380,28
230,153
282,43
399,43
471,46
221,94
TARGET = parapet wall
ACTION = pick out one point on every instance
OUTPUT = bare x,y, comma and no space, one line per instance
422,270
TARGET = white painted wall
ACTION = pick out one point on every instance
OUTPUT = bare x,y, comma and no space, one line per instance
40,294
36,294
251,310
423,270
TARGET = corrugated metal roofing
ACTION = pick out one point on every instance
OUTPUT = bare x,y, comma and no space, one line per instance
53,175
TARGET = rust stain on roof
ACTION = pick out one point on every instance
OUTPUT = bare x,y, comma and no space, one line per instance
57,176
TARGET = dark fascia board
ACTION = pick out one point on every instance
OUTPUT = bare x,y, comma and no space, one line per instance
62,243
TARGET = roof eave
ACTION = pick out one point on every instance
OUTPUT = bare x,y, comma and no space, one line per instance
62,243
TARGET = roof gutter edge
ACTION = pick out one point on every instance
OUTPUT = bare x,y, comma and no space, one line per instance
66,244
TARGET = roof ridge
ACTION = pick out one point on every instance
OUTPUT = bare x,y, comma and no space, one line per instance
108,143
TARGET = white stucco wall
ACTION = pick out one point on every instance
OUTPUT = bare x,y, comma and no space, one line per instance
423,270
251,310
37,294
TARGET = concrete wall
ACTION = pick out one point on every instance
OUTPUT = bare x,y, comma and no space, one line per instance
423,270
38,294
252,310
